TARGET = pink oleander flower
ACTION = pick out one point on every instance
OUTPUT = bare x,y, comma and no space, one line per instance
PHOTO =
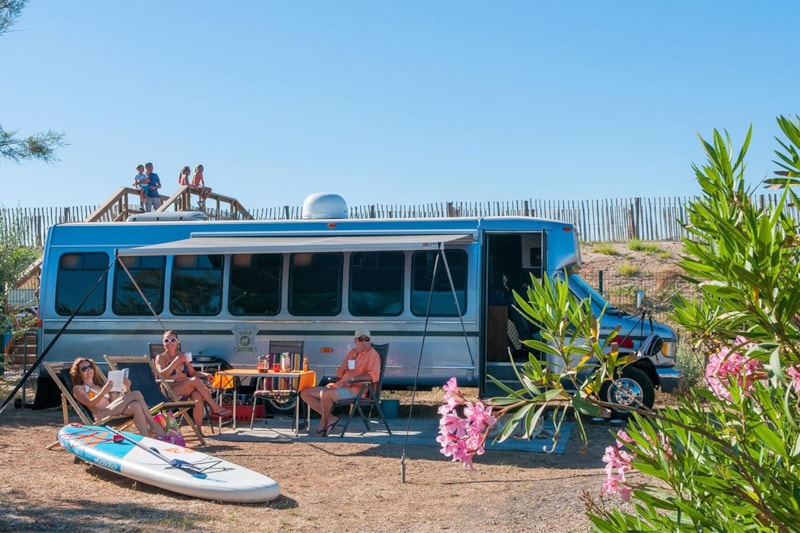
618,463
794,373
463,425
728,364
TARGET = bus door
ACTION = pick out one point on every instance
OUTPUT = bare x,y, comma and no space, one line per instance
510,260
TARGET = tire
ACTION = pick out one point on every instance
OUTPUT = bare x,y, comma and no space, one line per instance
633,389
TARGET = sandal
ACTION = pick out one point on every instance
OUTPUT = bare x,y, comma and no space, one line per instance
223,413
328,429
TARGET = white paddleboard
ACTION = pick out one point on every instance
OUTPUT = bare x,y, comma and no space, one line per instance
167,465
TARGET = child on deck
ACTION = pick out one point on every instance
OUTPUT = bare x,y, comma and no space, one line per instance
140,181
199,184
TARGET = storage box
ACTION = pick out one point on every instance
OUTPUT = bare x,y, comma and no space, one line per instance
390,408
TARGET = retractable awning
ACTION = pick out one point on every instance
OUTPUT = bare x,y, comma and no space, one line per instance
227,244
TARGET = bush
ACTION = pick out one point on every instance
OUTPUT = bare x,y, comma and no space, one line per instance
649,248
727,459
628,270
605,248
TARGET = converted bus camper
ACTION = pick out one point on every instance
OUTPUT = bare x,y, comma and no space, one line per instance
229,287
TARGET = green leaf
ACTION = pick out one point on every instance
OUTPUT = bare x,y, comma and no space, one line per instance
585,407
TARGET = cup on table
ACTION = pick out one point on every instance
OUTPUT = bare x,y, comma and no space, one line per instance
276,367
188,356
351,364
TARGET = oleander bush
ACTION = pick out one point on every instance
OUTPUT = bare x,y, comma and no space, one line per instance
727,457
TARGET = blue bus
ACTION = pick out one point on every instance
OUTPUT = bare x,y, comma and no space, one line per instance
436,289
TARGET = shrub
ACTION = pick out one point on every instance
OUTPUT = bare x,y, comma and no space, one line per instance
628,270
727,459
636,245
604,248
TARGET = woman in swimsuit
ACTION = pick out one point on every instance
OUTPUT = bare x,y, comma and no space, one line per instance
91,388
184,379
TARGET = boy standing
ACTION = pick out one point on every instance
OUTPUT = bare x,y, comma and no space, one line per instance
140,181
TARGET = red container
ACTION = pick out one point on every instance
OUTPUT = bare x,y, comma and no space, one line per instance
243,412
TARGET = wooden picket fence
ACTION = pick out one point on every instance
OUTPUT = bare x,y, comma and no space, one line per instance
609,220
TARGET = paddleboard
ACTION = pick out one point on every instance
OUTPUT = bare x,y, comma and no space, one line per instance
167,466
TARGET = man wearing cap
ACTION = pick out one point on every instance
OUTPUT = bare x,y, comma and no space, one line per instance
361,363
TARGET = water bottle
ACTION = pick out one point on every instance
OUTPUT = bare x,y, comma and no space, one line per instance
285,362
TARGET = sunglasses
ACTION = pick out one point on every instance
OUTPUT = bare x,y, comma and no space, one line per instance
85,368
363,339
170,341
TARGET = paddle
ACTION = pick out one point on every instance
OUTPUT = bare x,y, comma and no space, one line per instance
184,466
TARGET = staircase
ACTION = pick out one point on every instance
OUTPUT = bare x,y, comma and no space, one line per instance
20,352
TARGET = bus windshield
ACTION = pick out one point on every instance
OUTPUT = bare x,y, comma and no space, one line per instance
582,290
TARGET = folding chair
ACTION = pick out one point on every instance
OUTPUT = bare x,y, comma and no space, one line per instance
278,392
155,391
60,374
369,393
156,348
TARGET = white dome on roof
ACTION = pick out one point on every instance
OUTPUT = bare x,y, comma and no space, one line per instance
323,205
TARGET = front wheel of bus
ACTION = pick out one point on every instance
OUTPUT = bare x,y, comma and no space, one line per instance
631,389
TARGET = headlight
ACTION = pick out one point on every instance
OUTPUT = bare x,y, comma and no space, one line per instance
669,349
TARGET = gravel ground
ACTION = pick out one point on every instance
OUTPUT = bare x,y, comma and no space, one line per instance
328,486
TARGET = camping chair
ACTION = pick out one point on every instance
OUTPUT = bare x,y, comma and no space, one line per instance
278,392
370,393
156,348
156,393
60,374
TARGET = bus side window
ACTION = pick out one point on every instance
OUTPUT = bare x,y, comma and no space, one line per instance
315,284
255,284
148,271
196,285
442,303
77,274
376,283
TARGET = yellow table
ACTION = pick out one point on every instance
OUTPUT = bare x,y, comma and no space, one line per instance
297,379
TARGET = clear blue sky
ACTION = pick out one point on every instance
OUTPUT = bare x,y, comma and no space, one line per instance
393,102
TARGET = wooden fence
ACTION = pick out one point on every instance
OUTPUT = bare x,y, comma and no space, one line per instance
610,220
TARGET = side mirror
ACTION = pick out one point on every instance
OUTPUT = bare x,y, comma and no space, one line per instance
651,345
639,299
